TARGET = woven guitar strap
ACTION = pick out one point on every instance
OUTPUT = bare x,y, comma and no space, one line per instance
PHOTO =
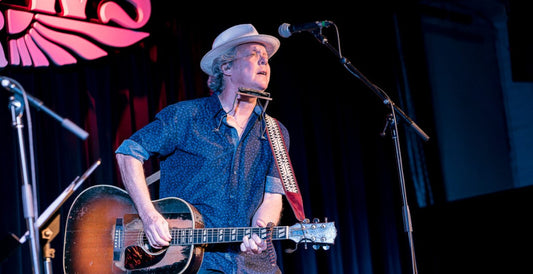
283,162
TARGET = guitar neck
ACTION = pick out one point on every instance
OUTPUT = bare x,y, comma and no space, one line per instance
193,236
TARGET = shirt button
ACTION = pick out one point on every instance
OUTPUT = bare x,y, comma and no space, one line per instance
235,172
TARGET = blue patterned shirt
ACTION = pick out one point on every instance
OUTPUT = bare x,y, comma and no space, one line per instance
204,162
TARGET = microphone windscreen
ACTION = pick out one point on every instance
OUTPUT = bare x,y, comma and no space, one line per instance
284,31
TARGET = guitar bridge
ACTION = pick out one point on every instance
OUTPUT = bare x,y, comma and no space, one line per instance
118,237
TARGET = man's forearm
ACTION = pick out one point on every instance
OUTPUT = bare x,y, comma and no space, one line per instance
134,180
269,210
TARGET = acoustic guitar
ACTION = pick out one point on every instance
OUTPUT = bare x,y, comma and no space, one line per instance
104,234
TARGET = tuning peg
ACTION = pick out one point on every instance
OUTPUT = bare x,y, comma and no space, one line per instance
306,221
316,247
325,247
316,220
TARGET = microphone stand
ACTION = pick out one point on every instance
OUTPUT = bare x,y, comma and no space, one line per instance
48,225
392,123
16,108
29,200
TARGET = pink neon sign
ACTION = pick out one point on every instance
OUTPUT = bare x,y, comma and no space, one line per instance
37,34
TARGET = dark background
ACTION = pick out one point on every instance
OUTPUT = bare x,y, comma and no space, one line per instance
462,70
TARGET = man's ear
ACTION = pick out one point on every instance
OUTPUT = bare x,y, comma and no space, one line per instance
226,68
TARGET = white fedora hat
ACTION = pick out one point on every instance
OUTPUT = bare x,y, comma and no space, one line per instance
237,35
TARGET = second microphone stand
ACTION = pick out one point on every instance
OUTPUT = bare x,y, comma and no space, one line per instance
19,103
17,110
392,123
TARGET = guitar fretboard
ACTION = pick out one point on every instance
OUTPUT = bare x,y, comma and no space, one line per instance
191,236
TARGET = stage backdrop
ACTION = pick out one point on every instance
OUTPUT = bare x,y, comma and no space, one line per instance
345,168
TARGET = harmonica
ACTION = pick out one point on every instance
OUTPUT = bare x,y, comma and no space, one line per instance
254,93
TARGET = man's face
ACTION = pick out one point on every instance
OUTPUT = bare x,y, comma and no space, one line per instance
250,68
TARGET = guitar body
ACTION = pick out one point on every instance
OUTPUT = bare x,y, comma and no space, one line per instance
104,234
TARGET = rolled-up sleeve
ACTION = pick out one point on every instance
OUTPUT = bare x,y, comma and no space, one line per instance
132,148
273,185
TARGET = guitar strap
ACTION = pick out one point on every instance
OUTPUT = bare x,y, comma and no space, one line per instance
284,165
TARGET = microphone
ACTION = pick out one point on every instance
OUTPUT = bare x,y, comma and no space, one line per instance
285,30
14,87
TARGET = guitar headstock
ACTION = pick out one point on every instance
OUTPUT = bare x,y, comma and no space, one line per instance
315,232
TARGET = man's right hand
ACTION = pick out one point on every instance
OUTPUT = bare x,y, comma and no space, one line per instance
156,230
